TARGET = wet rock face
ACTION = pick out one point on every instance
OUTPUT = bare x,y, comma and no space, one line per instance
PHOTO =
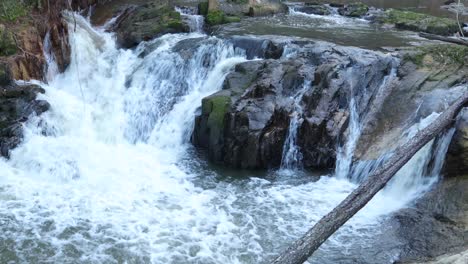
456,163
437,224
245,124
321,10
258,48
17,103
145,22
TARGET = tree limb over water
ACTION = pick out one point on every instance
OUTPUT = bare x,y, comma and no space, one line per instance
458,41
303,248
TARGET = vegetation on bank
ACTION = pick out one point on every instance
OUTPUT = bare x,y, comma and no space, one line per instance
420,22
432,55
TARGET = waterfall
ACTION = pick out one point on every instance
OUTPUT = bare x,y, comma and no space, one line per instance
292,157
195,22
345,153
107,175
52,68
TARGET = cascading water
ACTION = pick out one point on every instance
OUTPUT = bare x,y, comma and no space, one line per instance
52,68
345,153
196,22
292,157
106,176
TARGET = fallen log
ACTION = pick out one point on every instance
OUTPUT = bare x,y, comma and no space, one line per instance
303,248
444,39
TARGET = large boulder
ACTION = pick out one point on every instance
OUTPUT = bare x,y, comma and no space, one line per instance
145,22
245,125
17,103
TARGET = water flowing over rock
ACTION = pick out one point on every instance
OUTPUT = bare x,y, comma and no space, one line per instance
252,112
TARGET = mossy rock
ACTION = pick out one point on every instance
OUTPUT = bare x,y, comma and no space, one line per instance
147,22
440,54
203,8
7,42
218,17
216,107
215,17
421,22
357,9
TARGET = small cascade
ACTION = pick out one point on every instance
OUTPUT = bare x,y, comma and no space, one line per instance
52,67
292,156
345,153
196,22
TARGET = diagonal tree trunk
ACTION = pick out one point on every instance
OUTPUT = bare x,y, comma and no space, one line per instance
303,248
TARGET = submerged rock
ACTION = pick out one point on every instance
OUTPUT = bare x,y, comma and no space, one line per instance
245,125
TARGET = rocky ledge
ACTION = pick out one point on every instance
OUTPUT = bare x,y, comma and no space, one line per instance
246,124
17,104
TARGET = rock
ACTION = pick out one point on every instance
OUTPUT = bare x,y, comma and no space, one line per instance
321,10
421,22
255,121
145,22
258,48
5,75
17,103
427,79
354,10
267,9
437,224
456,163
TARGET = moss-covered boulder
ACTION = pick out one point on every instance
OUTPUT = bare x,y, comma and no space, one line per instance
210,124
145,22
354,10
420,22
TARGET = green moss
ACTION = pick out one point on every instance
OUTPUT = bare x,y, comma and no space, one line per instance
11,10
232,19
357,9
216,107
215,17
203,8
434,55
7,42
421,22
